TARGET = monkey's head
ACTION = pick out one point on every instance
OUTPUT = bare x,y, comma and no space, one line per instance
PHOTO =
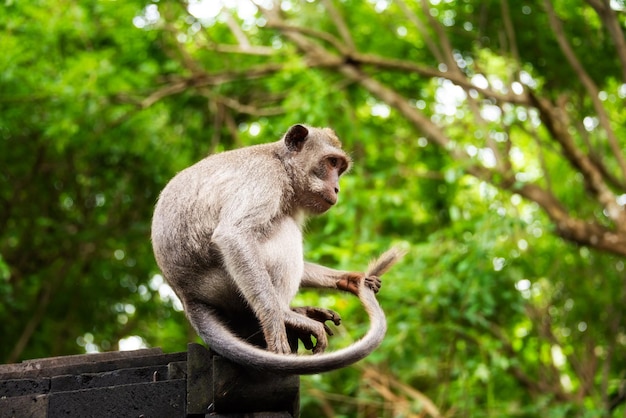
316,155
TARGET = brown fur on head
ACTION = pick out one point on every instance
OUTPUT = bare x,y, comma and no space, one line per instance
317,160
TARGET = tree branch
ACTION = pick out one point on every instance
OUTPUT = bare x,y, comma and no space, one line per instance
44,296
537,386
237,49
589,85
232,24
206,79
323,58
384,383
591,234
609,17
340,24
275,23
572,229
246,108
428,40
554,118
510,30
448,58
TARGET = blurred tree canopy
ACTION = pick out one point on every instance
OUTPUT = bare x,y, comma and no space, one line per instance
488,137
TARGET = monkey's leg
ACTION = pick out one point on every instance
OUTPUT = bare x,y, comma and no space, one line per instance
243,261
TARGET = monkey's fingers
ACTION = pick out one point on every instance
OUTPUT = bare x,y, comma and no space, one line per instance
323,315
313,330
303,335
373,282
320,315
319,349
307,340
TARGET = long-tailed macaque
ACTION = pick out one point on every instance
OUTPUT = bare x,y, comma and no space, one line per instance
227,235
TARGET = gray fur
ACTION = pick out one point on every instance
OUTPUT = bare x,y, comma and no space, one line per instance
227,236
385,261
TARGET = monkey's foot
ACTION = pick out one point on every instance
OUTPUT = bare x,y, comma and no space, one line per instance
320,315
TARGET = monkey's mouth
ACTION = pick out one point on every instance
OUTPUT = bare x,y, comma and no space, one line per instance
322,203
328,198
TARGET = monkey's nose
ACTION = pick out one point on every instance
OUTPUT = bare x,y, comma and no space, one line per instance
336,189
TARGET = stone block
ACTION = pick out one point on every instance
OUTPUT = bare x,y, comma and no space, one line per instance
155,400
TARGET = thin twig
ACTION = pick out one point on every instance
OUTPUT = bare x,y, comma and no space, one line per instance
589,85
611,21
340,24
510,30
324,36
206,79
234,27
428,40
444,41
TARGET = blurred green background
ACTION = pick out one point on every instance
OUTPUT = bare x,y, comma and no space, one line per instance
488,138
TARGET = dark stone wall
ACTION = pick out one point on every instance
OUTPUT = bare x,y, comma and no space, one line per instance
144,383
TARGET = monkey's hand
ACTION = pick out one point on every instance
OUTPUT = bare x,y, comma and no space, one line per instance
318,314
350,282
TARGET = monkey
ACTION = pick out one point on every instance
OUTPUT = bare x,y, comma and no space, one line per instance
227,236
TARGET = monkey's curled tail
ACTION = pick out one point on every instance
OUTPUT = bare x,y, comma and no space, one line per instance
230,346
384,263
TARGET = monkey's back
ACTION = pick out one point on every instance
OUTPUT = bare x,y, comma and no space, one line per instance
220,188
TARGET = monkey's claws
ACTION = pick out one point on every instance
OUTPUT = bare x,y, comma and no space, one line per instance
373,282
320,315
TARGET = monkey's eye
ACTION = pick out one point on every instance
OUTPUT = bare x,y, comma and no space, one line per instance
333,161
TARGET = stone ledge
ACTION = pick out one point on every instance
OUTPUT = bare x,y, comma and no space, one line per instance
145,383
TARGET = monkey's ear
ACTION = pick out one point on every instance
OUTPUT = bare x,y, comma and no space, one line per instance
296,137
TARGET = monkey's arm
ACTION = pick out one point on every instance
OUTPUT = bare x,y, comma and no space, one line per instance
316,276
324,277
